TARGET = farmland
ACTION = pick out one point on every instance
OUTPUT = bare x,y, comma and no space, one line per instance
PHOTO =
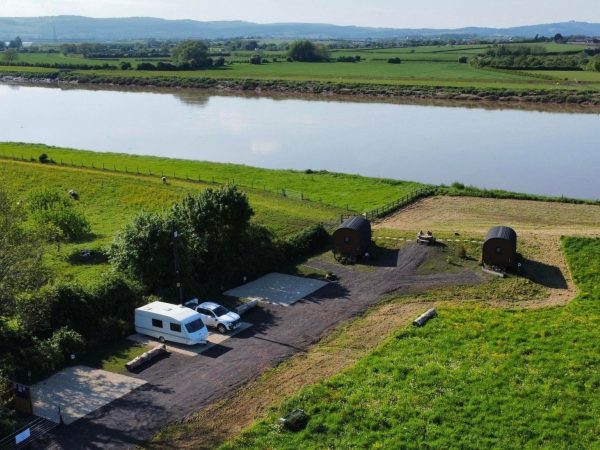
427,67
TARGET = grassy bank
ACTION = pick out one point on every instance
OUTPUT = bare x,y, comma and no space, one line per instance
475,377
339,190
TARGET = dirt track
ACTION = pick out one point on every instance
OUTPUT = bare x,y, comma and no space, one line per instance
179,386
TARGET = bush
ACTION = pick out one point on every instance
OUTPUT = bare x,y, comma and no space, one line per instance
463,60
146,66
307,51
56,216
395,61
144,250
69,342
43,158
255,59
125,65
306,242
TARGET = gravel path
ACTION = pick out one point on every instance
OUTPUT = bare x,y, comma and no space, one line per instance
179,386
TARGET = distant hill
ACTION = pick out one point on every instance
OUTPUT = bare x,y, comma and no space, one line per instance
76,28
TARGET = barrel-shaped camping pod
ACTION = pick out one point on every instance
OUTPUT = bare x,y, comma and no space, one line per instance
352,239
500,248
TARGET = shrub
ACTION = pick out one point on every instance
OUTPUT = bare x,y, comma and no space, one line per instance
43,158
463,60
395,60
69,342
144,250
255,59
56,216
125,65
308,51
305,242
146,66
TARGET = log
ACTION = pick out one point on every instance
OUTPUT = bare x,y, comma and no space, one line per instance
493,272
424,318
148,356
245,307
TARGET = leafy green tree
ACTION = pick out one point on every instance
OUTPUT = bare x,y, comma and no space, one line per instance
255,59
17,43
144,250
21,266
2,45
214,223
307,51
10,55
56,216
192,54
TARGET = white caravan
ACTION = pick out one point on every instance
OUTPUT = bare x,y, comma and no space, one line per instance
174,323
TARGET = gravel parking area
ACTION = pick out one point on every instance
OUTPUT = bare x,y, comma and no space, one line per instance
179,385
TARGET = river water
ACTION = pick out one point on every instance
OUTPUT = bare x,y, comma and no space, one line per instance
549,153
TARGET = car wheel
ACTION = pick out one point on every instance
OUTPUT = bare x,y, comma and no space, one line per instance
222,329
161,340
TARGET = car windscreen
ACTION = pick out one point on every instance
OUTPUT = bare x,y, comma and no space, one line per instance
220,311
195,325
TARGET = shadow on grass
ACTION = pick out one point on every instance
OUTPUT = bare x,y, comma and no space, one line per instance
543,274
87,258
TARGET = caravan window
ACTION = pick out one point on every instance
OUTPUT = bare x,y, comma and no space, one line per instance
176,327
194,326
157,323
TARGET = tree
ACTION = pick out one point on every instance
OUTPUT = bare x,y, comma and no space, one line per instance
2,45
17,43
213,224
10,55
20,255
255,59
144,250
559,38
192,54
307,51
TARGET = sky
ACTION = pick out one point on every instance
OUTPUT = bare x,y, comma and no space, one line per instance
377,13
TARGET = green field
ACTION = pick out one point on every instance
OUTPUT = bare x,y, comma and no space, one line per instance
436,66
339,190
475,377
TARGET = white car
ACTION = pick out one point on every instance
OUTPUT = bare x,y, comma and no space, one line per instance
215,315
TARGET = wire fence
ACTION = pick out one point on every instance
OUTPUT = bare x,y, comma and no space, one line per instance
37,429
283,192
394,206
174,175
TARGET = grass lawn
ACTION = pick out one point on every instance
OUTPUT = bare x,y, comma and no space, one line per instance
339,190
475,377
113,357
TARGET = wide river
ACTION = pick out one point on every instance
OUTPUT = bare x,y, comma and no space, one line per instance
528,151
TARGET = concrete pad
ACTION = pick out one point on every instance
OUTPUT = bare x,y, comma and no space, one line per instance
190,350
79,391
278,289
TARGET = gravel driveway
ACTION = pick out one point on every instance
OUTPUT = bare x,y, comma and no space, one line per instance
178,385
